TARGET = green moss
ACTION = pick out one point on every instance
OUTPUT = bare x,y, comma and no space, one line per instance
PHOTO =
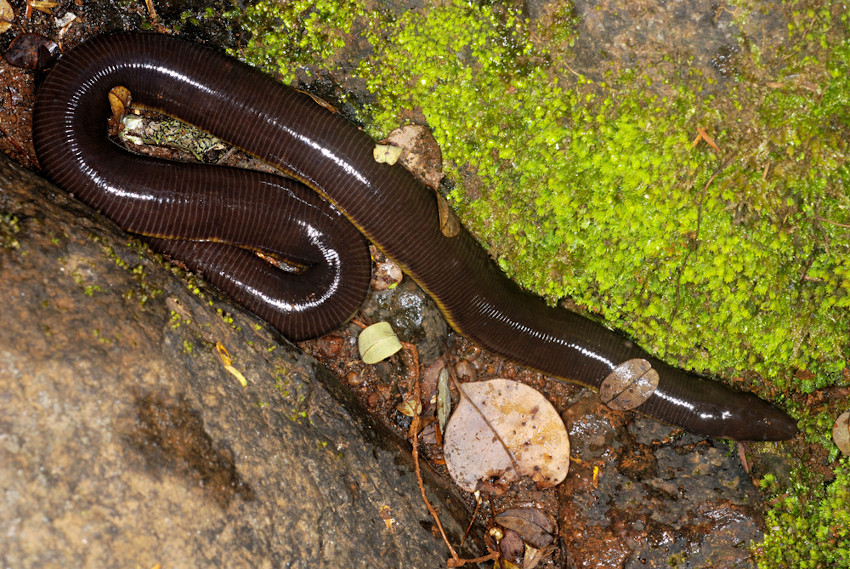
9,227
144,291
289,35
728,261
175,320
594,192
805,533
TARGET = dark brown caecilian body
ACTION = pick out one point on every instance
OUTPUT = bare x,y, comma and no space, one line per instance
288,129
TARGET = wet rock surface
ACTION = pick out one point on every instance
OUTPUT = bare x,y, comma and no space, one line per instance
700,37
660,498
125,441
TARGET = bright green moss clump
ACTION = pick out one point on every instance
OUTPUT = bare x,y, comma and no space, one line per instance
809,534
595,193
289,35
727,260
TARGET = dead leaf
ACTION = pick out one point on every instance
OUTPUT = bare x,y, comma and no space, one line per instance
449,222
44,6
387,274
7,16
120,99
501,431
377,342
531,524
630,384
841,432
227,362
422,156
444,399
31,51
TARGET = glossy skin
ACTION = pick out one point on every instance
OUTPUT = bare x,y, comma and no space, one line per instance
333,157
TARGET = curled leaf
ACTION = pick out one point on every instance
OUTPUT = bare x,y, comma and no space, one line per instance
227,362
449,222
120,99
503,430
444,399
377,342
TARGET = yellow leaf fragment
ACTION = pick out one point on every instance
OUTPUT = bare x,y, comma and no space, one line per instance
227,361
119,101
409,407
386,514
43,5
7,16
385,154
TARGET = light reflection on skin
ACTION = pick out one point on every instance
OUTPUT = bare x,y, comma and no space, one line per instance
332,259
496,314
724,415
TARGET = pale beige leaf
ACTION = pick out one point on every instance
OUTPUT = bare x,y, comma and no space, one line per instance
501,431
629,385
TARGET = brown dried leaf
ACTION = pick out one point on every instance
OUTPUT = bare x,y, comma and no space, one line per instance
841,433
503,430
535,527
629,385
449,221
31,51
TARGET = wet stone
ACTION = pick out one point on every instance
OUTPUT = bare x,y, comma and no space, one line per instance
413,316
638,497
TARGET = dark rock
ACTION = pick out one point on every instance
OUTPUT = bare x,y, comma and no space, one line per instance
644,496
125,441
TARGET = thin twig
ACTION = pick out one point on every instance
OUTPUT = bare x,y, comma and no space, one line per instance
471,519
456,560
414,435
833,222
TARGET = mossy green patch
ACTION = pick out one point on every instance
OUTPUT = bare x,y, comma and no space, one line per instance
726,261
289,35
805,533
9,227
729,260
